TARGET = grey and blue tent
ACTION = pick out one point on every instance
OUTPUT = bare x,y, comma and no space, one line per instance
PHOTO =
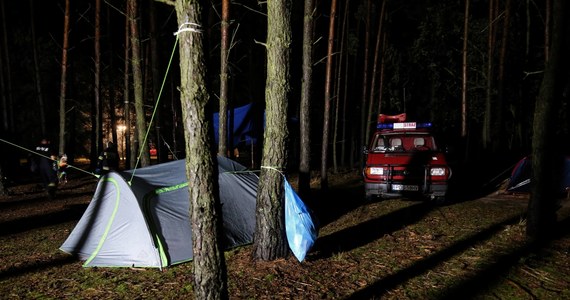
147,224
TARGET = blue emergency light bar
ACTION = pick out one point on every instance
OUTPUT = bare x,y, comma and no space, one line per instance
405,125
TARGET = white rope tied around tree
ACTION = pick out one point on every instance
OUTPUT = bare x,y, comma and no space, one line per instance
278,170
189,26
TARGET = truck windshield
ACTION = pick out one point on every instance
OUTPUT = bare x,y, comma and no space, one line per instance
402,142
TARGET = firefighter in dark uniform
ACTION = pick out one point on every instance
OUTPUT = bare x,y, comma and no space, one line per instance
47,166
108,160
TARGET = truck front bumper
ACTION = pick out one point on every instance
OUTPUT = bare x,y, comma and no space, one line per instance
389,190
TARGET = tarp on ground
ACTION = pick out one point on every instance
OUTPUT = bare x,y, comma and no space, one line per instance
147,223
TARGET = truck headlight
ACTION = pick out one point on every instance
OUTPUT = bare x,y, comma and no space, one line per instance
376,171
437,172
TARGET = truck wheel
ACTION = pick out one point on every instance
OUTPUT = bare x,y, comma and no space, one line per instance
370,198
439,200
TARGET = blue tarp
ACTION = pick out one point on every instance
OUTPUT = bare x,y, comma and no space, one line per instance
243,128
301,231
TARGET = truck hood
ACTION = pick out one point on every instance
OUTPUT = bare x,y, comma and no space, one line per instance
420,157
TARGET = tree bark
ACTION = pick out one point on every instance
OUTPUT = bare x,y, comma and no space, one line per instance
270,241
487,117
63,82
141,128
382,74
4,100
464,72
109,32
97,78
129,157
377,51
546,158
224,55
3,190
365,77
305,106
338,84
154,51
343,111
210,278
7,97
37,75
547,15
327,106
500,136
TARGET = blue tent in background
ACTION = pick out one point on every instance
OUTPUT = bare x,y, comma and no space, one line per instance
243,128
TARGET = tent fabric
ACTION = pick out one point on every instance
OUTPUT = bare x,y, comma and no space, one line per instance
520,176
242,128
147,224
106,227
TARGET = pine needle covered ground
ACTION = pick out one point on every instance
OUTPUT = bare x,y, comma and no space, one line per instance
390,249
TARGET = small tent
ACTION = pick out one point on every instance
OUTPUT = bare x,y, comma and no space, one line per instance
519,182
146,223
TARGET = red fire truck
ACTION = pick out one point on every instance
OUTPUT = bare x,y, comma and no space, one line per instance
403,160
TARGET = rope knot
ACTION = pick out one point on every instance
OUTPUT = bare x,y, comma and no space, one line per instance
189,26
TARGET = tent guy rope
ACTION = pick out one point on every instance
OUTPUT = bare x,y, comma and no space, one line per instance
155,109
39,154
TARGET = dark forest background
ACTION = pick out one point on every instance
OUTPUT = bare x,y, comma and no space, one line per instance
419,72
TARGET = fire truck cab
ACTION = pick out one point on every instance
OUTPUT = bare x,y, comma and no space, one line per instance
403,160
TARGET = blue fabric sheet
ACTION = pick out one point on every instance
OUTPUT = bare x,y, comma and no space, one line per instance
301,231
242,129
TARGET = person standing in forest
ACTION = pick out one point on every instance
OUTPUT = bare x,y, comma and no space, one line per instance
108,160
45,163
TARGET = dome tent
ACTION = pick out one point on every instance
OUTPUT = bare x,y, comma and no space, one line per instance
147,223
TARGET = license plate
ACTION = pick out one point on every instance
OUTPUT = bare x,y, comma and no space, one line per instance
404,187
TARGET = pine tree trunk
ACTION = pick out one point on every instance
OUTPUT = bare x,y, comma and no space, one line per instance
377,50
224,54
339,70
305,106
7,98
270,241
547,15
126,96
117,92
210,279
3,190
501,134
382,74
63,82
327,106
546,156
141,128
464,72
363,122
344,100
4,100
97,83
154,51
487,117
37,77
355,156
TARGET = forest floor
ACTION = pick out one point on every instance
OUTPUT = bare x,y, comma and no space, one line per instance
473,247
